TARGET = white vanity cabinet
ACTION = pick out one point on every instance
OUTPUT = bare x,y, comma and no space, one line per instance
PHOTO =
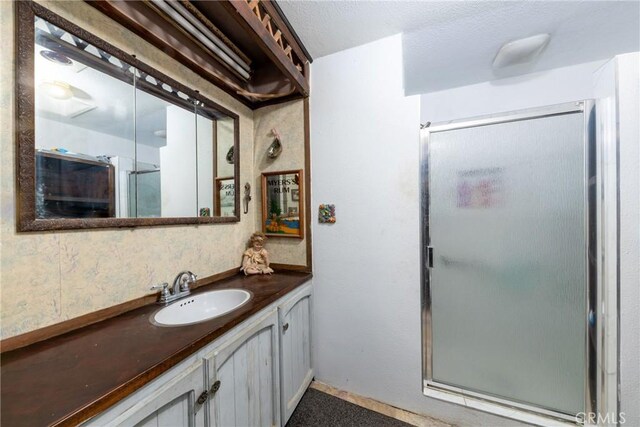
295,349
174,402
243,377
252,376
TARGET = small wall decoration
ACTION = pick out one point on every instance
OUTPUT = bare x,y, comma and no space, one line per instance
247,197
327,214
230,156
255,260
225,197
282,214
275,148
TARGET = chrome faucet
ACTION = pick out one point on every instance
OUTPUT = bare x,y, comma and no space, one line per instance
179,289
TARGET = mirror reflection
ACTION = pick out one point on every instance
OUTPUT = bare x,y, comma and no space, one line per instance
114,142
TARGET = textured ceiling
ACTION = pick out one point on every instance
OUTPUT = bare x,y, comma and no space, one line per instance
453,43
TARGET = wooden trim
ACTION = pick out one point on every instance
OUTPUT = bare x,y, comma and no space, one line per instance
307,177
25,129
207,23
274,11
204,70
32,337
236,167
288,25
275,101
214,166
25,115
245,16
170,22
290,267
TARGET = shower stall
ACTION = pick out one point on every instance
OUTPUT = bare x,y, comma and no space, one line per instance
509,254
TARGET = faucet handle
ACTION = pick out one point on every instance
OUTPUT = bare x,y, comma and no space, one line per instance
164,290
189,280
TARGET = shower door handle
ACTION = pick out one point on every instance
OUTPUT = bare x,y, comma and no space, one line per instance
429,257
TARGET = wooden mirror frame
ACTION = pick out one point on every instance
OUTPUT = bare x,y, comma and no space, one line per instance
26,219
301,203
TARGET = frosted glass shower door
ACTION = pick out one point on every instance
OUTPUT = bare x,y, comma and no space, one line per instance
508,282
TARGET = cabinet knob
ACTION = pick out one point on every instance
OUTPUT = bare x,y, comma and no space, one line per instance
203,397
285,327
215,387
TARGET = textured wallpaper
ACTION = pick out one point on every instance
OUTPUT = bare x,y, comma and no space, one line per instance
288,119
50,277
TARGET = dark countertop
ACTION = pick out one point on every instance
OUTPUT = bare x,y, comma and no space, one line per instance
70,378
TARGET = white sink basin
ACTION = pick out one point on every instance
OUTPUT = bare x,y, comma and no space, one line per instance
201,307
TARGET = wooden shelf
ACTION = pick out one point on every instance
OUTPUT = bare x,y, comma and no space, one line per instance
255,29
73,187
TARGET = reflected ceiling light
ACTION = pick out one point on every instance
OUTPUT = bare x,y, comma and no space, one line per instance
56,57
57,90
521,51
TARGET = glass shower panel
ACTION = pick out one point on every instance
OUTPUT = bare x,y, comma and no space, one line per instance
508,283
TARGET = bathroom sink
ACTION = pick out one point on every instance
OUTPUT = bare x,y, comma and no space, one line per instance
200,307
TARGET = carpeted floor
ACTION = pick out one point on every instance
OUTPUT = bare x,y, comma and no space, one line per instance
318,409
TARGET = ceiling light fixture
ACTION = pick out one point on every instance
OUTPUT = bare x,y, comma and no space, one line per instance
521,51
56,57
57,90
196,29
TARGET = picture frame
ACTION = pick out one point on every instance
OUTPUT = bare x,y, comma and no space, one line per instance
225,196
282,214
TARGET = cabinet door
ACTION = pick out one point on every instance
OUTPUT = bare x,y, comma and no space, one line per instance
243,377
175,404
295,344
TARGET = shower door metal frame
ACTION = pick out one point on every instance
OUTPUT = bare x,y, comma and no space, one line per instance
433,388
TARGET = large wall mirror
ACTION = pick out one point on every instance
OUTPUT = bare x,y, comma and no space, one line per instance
106,141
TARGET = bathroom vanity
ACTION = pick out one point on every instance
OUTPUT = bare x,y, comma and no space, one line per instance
248,367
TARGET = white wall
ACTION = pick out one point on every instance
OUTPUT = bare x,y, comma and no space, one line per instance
365,147
628,79
365,159
54,134
178,165
532,90
205,167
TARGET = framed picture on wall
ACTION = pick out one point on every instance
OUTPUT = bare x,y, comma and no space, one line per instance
283,204
225,196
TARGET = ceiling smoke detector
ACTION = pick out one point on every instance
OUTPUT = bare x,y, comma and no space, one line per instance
521,51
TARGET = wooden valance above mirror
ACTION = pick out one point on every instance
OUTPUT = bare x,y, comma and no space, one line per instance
246,47
104,140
